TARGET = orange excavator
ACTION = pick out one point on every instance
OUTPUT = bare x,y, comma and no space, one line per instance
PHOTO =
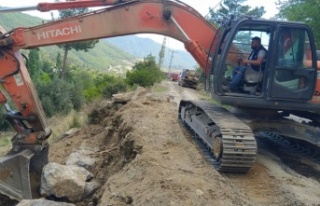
287,90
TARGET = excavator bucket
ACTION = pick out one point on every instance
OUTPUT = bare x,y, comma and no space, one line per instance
14,175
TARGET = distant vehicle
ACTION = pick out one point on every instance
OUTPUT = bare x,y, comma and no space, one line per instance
188,78
173,76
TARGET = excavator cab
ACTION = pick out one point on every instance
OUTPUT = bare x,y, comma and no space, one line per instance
288,74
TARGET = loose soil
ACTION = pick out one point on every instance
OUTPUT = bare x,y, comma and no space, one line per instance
144,156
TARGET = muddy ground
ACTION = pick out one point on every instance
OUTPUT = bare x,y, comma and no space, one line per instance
144,156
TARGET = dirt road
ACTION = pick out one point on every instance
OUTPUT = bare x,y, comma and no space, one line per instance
145,157
276,178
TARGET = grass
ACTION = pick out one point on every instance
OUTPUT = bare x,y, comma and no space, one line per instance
61,124
158,88
58,124
5,142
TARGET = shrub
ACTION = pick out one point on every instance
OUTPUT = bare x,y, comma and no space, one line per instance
105,85
114,88
145,73
77,96
4,124
75,123
93,117
59,96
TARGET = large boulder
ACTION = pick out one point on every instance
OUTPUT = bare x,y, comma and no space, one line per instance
81,158
85,156
71,182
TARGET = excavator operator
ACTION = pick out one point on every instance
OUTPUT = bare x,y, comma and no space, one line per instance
255,62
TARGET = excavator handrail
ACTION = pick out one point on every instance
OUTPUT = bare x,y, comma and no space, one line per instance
50,6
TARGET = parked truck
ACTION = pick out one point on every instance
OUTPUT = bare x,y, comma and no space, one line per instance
188,78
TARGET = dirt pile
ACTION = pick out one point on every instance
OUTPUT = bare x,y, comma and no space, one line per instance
144,158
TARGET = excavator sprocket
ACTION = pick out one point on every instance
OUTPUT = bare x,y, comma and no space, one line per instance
230,141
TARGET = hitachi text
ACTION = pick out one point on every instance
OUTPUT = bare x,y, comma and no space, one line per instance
59,32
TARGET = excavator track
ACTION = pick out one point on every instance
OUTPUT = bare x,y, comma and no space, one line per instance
229,140
295,146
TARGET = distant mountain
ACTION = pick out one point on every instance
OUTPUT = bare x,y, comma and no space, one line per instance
103,56
10,21
109,52
142,47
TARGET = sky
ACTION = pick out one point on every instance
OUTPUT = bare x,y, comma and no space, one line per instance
202,7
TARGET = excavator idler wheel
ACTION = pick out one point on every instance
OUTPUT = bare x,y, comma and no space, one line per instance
217,147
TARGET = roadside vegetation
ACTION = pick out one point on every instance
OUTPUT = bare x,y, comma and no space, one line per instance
64,96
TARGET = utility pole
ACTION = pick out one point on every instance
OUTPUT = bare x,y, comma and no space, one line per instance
162,52
172,53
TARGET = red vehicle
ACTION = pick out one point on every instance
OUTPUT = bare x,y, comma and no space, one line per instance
173,76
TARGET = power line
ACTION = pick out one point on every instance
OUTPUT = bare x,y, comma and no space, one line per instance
172,53
214,7
162,52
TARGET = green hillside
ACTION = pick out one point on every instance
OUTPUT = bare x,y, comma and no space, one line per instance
10,21
102,56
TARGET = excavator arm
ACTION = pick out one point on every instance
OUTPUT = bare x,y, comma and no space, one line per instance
30,147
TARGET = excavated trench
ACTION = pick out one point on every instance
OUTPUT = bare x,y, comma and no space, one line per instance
114,147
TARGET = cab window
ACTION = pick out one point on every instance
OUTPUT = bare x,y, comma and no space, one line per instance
293,53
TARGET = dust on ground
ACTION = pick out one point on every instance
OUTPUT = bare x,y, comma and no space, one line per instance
146,157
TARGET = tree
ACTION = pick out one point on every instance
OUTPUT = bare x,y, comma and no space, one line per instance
235,8
200,74
83,45
34,64
145,73
58,61
59,96
304,11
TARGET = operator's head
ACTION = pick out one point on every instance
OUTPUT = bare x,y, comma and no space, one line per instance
255,42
